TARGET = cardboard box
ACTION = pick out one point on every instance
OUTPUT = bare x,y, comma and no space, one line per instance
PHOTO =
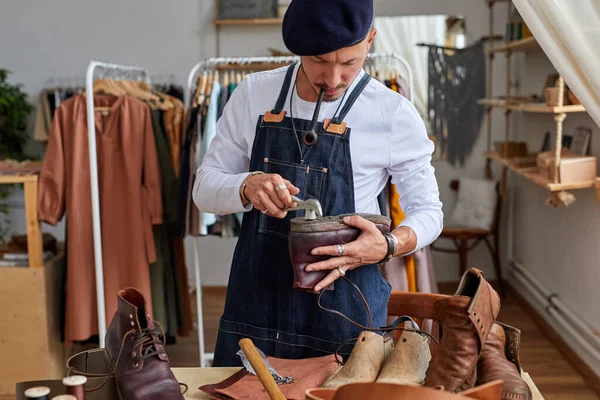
572,168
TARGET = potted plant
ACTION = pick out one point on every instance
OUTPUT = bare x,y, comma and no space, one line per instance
14,111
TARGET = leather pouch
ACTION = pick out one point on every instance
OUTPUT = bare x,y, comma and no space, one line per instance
307,234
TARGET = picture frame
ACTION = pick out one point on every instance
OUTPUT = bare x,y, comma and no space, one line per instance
582,137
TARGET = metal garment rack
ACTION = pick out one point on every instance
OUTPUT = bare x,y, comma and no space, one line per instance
209,65
101,70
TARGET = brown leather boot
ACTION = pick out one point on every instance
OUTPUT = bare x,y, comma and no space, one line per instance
466,319
365,361
500,360
306,234
132,342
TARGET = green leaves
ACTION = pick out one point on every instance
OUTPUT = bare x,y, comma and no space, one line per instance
14,110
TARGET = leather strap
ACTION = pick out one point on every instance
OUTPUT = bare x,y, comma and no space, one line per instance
285,88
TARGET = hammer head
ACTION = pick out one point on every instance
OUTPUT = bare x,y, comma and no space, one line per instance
311,207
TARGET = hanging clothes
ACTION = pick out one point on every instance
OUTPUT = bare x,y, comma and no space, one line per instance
130,202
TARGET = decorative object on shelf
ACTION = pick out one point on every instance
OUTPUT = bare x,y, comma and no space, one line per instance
572,167
581,141
566,141
240,9
572,98
546,143
511,149
456,82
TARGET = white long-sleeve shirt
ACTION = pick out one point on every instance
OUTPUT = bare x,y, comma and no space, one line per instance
388,138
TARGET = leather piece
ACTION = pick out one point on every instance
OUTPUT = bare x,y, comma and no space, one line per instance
305,235
493,364
377,391
307,373
138,378
465,319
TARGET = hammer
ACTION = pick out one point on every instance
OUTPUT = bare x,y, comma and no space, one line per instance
261,369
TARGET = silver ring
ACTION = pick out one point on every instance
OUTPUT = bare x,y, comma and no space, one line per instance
265,212
340,249
280,187
342,272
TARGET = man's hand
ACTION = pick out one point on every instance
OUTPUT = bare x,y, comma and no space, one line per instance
369,248
270,192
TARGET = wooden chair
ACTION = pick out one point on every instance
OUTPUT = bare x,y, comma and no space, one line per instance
461,238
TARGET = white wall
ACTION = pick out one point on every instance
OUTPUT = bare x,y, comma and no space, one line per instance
558,245
58,38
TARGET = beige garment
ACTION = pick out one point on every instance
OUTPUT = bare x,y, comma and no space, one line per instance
43,118
175,125
130,202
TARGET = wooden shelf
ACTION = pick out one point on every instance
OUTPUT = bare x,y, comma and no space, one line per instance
525,166
531,107
527,44
252,21
9,179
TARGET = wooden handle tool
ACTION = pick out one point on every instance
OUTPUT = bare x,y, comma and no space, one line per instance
261,369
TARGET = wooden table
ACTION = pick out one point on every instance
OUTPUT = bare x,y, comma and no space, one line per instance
193,377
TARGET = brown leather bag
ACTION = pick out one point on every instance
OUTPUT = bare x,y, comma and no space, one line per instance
305,235
377,391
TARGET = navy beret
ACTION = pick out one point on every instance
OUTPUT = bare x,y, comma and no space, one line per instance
315,27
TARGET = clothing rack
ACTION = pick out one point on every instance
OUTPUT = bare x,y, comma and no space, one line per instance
258,64
95,71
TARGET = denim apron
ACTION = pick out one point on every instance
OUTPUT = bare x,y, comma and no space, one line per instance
261,303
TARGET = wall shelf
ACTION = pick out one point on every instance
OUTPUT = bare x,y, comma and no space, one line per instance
531,107
525,166
249,21
524,45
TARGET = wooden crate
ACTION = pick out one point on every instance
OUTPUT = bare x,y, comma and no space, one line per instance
30,324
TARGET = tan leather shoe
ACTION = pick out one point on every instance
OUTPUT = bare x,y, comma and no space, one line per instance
500,360
365,361
408,363
466,319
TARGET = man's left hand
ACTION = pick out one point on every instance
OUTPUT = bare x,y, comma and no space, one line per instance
369,248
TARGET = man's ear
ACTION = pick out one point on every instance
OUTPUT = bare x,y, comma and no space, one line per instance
370,38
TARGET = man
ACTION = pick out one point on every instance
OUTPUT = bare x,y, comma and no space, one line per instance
265,151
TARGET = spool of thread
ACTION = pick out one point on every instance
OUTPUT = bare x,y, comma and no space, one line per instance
64,397
38,393
74,386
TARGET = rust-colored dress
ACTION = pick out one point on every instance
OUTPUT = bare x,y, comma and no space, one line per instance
130,202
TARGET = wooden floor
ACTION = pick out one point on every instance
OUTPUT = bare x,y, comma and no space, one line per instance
549,369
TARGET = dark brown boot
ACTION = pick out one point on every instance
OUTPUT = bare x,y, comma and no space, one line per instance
132,342
307,234
466,319
500,360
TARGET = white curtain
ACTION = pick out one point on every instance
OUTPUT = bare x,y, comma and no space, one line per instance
401,35
569,33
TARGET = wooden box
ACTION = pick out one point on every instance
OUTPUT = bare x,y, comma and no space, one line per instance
511,149
30,323
572,168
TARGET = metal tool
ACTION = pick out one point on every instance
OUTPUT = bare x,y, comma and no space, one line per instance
312,208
